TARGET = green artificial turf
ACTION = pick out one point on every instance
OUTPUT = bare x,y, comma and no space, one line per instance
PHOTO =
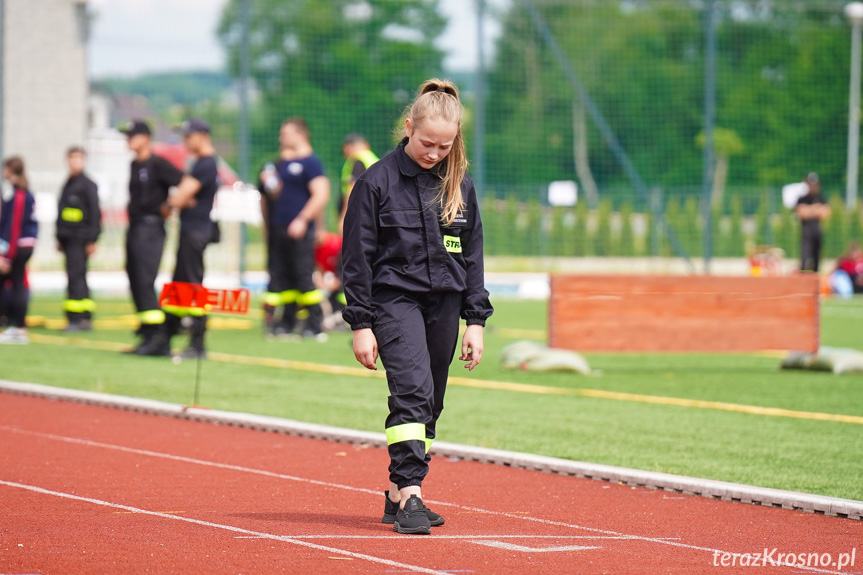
786,453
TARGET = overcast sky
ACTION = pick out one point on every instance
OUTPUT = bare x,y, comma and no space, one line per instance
130,37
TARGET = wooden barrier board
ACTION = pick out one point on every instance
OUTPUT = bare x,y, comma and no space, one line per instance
683,313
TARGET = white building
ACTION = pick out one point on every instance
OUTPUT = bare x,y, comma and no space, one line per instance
45,84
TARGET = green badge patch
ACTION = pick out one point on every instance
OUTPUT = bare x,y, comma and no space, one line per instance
452,244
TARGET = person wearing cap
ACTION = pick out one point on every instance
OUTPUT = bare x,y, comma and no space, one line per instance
811,209
194,202
150,182
300,191
79,224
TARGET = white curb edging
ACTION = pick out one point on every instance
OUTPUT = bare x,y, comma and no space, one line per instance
821,504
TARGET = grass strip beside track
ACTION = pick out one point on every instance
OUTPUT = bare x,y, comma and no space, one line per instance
667,413
479,383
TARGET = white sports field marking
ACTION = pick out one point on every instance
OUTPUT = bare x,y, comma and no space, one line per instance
351,554
523,549
659,540
458,537
88,443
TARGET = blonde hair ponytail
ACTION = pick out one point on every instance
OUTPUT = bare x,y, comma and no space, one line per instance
439,100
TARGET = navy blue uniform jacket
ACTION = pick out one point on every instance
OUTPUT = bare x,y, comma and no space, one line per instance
80,196
394,239
18,226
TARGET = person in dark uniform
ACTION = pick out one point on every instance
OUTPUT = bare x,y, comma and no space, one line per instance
18,232
268,182
300,192
150,181
79,223
811,209
358,158
194,200
413,264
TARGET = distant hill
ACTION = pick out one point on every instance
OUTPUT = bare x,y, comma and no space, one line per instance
169,89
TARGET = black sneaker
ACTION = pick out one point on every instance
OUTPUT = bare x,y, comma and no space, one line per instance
412,520
155,346
391,509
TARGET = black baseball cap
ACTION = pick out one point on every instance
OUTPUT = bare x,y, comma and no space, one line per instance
194,125
135,127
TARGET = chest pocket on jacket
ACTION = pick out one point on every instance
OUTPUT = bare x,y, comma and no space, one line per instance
452,234
401,232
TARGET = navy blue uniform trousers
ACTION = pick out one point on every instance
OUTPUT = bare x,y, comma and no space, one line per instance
77,289
417,335
145,241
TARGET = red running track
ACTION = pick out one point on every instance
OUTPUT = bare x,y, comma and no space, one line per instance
87,489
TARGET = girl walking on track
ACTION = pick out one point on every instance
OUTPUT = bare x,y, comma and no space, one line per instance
413,265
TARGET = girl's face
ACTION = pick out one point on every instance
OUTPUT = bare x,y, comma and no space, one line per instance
430,141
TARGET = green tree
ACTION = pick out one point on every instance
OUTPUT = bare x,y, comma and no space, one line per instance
784,77
345,66
782,85
635,62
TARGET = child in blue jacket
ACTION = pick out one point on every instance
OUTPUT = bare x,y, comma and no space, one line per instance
18,231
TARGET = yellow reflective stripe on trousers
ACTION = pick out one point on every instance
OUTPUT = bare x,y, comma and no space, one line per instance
452,244
151,316
73,215
311,297
272,299
184,311
428,444
289,296
79,305
406,432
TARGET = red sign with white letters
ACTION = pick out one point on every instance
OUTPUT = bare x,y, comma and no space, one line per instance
182,294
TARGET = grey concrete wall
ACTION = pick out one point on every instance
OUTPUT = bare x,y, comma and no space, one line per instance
45,85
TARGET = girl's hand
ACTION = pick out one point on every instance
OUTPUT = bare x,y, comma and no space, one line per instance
366,348
471,346
5,265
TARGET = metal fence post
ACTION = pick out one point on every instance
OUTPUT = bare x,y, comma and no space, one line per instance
709,120
244,121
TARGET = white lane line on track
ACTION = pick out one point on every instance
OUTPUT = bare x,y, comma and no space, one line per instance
372,558
452,537
524,549
659,540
